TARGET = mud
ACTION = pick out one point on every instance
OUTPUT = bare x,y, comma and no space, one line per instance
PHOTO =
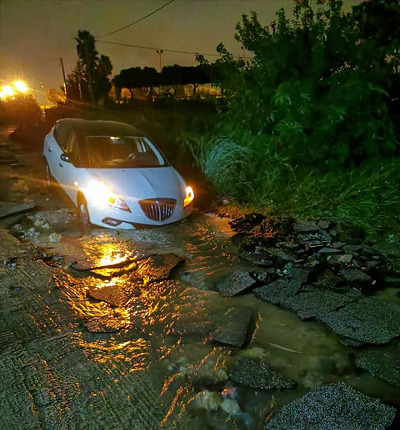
128,330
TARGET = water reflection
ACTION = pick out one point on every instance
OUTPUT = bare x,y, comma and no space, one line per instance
164,329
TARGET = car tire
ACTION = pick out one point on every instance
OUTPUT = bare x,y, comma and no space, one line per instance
83,213
48,177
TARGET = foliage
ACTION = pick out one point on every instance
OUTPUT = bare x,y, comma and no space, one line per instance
312,85
22,109
137,77
90,80
311,117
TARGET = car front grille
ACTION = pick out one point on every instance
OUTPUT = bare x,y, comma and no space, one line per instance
158,209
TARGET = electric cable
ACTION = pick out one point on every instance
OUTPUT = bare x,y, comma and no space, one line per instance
138,20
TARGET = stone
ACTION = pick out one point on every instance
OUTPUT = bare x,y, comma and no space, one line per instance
111,294
328,250
236,283
54,237
365,321
354,275
7,209
352,249
382,363
105,324
327,279
279,291
259,375
345,259
157,267
231,328
316,303
246,222
208,400
230,406
335,406
306,226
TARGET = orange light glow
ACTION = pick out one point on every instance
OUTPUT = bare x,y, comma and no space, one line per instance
6,91
20,86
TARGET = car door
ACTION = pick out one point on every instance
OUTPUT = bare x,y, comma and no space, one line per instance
67,170
52,148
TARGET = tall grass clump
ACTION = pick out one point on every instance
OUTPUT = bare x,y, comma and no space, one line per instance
311,121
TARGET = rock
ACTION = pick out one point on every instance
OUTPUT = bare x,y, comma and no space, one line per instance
246,222
355,276
7,209
236,283
316,303
366,321
306,226
352,249
279,291
336,407
157,267
345,259
390,251
230,406
105,324
54,237
327,279
382,363
328,250
259,375
112,294
231,328
208,400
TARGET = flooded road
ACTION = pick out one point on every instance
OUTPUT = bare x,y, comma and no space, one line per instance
87,344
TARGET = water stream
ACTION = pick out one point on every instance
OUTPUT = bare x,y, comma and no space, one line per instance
163,336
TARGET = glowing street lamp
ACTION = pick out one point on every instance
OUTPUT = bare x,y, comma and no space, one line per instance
20,86
6,91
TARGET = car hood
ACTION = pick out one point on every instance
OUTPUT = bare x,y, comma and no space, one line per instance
147,183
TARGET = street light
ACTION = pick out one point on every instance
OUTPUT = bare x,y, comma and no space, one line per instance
20,86
160,51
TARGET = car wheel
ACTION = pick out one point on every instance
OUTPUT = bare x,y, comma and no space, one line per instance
48,177
83,213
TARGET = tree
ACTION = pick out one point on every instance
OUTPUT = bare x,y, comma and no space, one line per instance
312,88
90,80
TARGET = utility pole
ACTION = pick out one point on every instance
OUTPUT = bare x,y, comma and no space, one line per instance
65,82
160,51
89,73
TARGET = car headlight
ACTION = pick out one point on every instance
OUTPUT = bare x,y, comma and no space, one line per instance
189,196
101,195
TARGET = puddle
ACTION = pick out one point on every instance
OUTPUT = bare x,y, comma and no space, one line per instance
163,328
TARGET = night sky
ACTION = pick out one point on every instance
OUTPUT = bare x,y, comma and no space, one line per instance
35,34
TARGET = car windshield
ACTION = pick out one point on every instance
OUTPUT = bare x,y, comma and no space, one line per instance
121,151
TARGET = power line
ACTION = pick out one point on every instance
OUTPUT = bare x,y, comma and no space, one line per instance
138,20
157,49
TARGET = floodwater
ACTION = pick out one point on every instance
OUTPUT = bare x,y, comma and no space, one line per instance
155,365
164,327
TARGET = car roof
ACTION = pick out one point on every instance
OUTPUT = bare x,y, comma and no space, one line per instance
100,127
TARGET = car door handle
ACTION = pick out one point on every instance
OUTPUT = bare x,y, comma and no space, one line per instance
49,149
60,165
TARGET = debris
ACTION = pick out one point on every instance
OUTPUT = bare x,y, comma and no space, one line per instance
12,209
336,406
236,283
54,237
259,375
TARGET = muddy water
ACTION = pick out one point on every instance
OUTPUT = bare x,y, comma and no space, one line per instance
162,331
147,373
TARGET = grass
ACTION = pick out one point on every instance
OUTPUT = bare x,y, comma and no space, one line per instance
240,170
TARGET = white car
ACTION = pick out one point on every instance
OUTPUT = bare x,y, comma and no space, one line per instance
114,175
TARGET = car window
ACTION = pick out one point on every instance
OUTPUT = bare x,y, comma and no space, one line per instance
121,151
61,133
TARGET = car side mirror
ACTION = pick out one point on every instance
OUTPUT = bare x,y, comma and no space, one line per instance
65,158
